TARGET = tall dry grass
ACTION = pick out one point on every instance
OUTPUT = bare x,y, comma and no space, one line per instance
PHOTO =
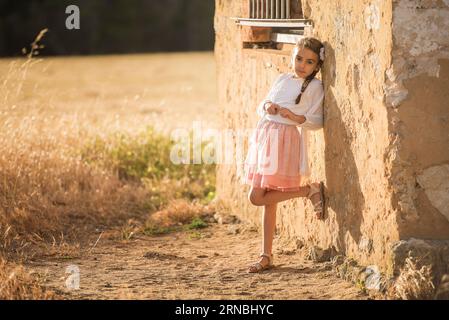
45,185
415,281
65,171
17,283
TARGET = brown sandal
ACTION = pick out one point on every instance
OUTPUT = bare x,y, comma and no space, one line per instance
258,267
318,207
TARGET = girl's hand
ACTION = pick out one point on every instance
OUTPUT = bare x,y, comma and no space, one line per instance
272,108
286,113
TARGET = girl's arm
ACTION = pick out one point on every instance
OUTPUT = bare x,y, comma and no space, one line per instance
287,113
260,110
313,118
314,115
299,118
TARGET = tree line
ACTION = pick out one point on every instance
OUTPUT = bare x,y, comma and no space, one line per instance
108,26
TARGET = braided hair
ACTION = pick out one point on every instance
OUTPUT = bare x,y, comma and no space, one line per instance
305,85
317,47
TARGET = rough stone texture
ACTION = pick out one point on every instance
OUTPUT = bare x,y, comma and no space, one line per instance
418,112
435,182
386,124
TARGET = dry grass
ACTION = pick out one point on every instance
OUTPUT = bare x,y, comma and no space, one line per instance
42,188
53,191
414,282
16,283
179,212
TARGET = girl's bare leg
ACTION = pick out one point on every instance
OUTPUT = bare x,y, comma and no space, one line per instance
269,227
261,197
269,199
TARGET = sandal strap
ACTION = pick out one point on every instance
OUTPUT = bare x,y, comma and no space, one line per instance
268,256
257,265
313,190
318,204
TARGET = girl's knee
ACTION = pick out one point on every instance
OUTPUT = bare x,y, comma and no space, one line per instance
254,200
255,196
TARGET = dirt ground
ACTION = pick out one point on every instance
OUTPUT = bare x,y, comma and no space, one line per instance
205,264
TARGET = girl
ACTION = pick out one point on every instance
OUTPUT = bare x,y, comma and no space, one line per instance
277,154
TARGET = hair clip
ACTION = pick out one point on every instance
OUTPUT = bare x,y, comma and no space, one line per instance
322,56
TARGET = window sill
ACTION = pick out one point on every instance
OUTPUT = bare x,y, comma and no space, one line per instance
257,51
273,23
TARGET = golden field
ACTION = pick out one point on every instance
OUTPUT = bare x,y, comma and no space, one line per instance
84,143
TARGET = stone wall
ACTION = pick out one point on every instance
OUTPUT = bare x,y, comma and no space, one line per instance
383,151
417,100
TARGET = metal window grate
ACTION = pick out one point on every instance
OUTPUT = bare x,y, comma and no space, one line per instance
281,17
269,9
272,13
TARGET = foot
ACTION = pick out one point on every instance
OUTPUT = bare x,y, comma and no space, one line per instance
265,262
316,196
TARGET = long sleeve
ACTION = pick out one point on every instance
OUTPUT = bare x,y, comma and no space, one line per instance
260,111
314,115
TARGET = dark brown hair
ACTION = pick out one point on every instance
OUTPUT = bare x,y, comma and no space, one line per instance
315,45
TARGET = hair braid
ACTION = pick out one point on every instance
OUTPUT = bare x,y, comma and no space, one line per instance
305,85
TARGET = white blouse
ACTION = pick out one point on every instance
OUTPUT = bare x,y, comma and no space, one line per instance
284,92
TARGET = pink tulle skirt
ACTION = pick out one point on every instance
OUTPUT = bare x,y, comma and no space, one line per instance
272,161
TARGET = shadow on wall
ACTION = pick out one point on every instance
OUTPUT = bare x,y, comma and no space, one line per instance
344,195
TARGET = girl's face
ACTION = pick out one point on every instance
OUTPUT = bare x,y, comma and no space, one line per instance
306,62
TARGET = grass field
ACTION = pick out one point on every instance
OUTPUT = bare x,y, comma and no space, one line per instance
84,141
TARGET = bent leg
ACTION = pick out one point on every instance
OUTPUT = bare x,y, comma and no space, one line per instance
262,197
256,195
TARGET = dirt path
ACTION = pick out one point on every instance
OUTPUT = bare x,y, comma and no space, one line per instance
208,264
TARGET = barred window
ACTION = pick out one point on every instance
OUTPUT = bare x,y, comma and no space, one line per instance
271,23
269,9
